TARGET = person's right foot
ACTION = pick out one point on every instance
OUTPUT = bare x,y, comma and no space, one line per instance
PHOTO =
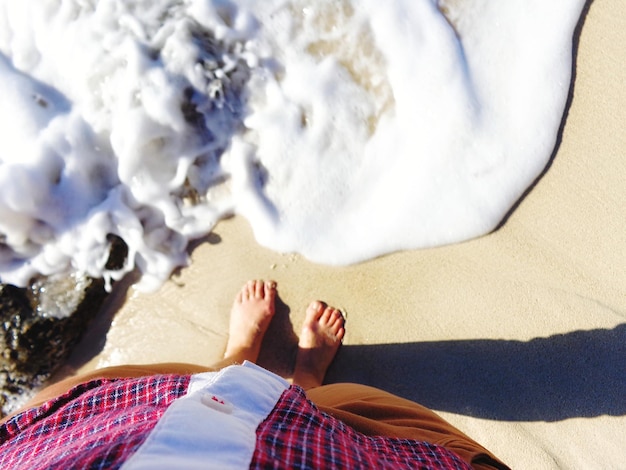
250,317
321,336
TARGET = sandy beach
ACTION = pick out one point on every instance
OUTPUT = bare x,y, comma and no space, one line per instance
518,337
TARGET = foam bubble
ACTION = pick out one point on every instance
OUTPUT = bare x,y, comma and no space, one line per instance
392,126
340,129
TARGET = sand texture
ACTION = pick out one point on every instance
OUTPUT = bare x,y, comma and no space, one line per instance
518,338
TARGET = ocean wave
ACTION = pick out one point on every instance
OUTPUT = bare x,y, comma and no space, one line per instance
340,130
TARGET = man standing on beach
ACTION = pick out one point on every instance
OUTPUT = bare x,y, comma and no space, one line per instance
234,414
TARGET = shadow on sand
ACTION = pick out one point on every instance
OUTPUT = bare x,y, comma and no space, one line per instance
578,374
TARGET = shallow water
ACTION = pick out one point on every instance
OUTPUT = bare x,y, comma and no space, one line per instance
340,129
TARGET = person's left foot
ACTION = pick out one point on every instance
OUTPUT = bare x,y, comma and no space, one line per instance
250,316
322,333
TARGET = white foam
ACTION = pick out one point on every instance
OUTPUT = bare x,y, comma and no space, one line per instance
341,130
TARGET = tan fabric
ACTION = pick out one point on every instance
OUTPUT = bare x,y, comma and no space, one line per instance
377,413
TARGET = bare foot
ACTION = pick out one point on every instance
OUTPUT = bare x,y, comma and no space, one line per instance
250,316
320,339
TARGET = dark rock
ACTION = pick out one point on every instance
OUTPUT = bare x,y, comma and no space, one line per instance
118,252
41,324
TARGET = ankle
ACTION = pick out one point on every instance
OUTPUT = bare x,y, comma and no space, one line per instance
241,354
306,381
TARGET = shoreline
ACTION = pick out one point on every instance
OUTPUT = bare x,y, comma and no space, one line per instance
489,333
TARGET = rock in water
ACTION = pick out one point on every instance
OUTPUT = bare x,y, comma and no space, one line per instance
39,327
41,324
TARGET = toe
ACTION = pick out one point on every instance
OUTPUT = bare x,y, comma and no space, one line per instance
248,290
327,315
340,317
315,310
258,289
270,290
341,332
336,320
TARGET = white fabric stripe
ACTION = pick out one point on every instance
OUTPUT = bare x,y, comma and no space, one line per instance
214,424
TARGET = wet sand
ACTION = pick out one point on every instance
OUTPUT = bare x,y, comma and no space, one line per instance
518,338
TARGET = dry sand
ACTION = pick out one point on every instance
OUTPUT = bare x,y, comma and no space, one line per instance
518,338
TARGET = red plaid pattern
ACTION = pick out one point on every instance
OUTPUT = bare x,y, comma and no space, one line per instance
96,425
100,424
298,435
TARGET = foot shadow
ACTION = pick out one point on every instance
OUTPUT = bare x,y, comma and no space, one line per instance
280,344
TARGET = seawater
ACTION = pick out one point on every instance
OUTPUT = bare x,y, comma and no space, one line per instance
339,129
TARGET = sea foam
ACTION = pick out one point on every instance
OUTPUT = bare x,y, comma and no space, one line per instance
342,130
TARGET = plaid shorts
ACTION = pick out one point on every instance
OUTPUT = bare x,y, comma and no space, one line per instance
101,423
